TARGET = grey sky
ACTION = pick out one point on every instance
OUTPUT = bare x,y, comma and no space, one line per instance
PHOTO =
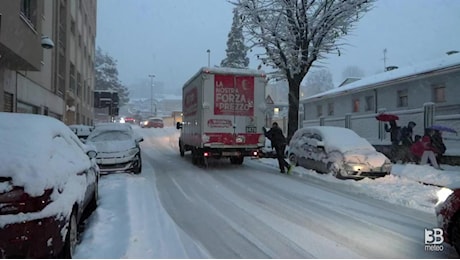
169,38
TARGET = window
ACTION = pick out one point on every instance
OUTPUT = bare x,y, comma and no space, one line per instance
319,110
330,109
369,105
29,11
355,105
8,102
72,78
79,88
403,99
439,93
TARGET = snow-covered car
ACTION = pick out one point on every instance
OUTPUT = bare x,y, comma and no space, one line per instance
448,215
82,131
338,150
117,148
48,184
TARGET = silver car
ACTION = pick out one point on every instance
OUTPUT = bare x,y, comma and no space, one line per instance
117,148
337,150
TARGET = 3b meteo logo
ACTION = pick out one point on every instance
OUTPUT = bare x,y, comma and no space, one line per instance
434,239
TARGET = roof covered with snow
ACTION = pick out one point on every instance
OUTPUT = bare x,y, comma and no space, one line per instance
227,71
401,73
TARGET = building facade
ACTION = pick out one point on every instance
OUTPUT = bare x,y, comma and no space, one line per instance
47,53
427,93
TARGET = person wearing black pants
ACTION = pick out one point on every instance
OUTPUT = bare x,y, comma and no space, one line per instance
275,135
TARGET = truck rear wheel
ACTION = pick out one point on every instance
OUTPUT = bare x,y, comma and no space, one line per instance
181,149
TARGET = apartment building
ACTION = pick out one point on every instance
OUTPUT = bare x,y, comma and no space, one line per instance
47,50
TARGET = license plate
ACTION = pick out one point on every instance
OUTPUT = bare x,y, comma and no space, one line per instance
251,129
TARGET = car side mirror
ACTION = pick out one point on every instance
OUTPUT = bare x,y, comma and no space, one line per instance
139,139
92,154
178,125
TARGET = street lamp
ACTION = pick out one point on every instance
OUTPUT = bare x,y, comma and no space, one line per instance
209,57
151,76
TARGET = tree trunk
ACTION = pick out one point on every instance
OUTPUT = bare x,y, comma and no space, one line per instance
293,116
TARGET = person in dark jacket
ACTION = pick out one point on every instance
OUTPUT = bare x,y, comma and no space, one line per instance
275,135
406,134
407,141
438,144
395,132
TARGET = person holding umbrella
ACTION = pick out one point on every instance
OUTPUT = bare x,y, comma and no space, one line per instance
395,137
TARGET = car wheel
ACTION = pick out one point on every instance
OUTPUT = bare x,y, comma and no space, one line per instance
71,239
194,156
93,203
293,159
137,165
335,170
455,237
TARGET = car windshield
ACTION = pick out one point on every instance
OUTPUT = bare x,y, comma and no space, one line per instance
110,136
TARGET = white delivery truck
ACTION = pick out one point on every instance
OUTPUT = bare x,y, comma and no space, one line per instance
223,114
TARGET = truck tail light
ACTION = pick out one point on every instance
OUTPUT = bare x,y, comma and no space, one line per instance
206,154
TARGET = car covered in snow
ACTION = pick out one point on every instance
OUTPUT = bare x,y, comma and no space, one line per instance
82,131
117,148
337,150
448,215
48,185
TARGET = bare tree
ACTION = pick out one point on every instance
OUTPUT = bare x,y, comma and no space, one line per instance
317,81
296,33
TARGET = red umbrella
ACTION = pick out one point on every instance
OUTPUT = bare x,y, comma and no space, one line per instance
386,117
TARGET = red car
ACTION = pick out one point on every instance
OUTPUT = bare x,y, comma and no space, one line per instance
448,216
130,120
153,122
48,184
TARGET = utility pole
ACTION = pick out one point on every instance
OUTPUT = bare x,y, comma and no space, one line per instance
385,59
209,57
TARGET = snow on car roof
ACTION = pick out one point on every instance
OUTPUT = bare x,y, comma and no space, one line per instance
81,129
33,153
113,126
337,138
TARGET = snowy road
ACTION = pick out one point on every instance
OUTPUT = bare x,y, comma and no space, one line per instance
252,211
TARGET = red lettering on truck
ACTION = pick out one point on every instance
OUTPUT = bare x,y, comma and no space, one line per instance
234,95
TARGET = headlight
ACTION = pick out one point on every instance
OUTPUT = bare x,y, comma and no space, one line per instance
133,151
355,167
443,194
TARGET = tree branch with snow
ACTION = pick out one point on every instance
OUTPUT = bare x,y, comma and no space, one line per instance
296,33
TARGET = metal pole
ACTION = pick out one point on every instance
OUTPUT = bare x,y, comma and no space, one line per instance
209,57
151,92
